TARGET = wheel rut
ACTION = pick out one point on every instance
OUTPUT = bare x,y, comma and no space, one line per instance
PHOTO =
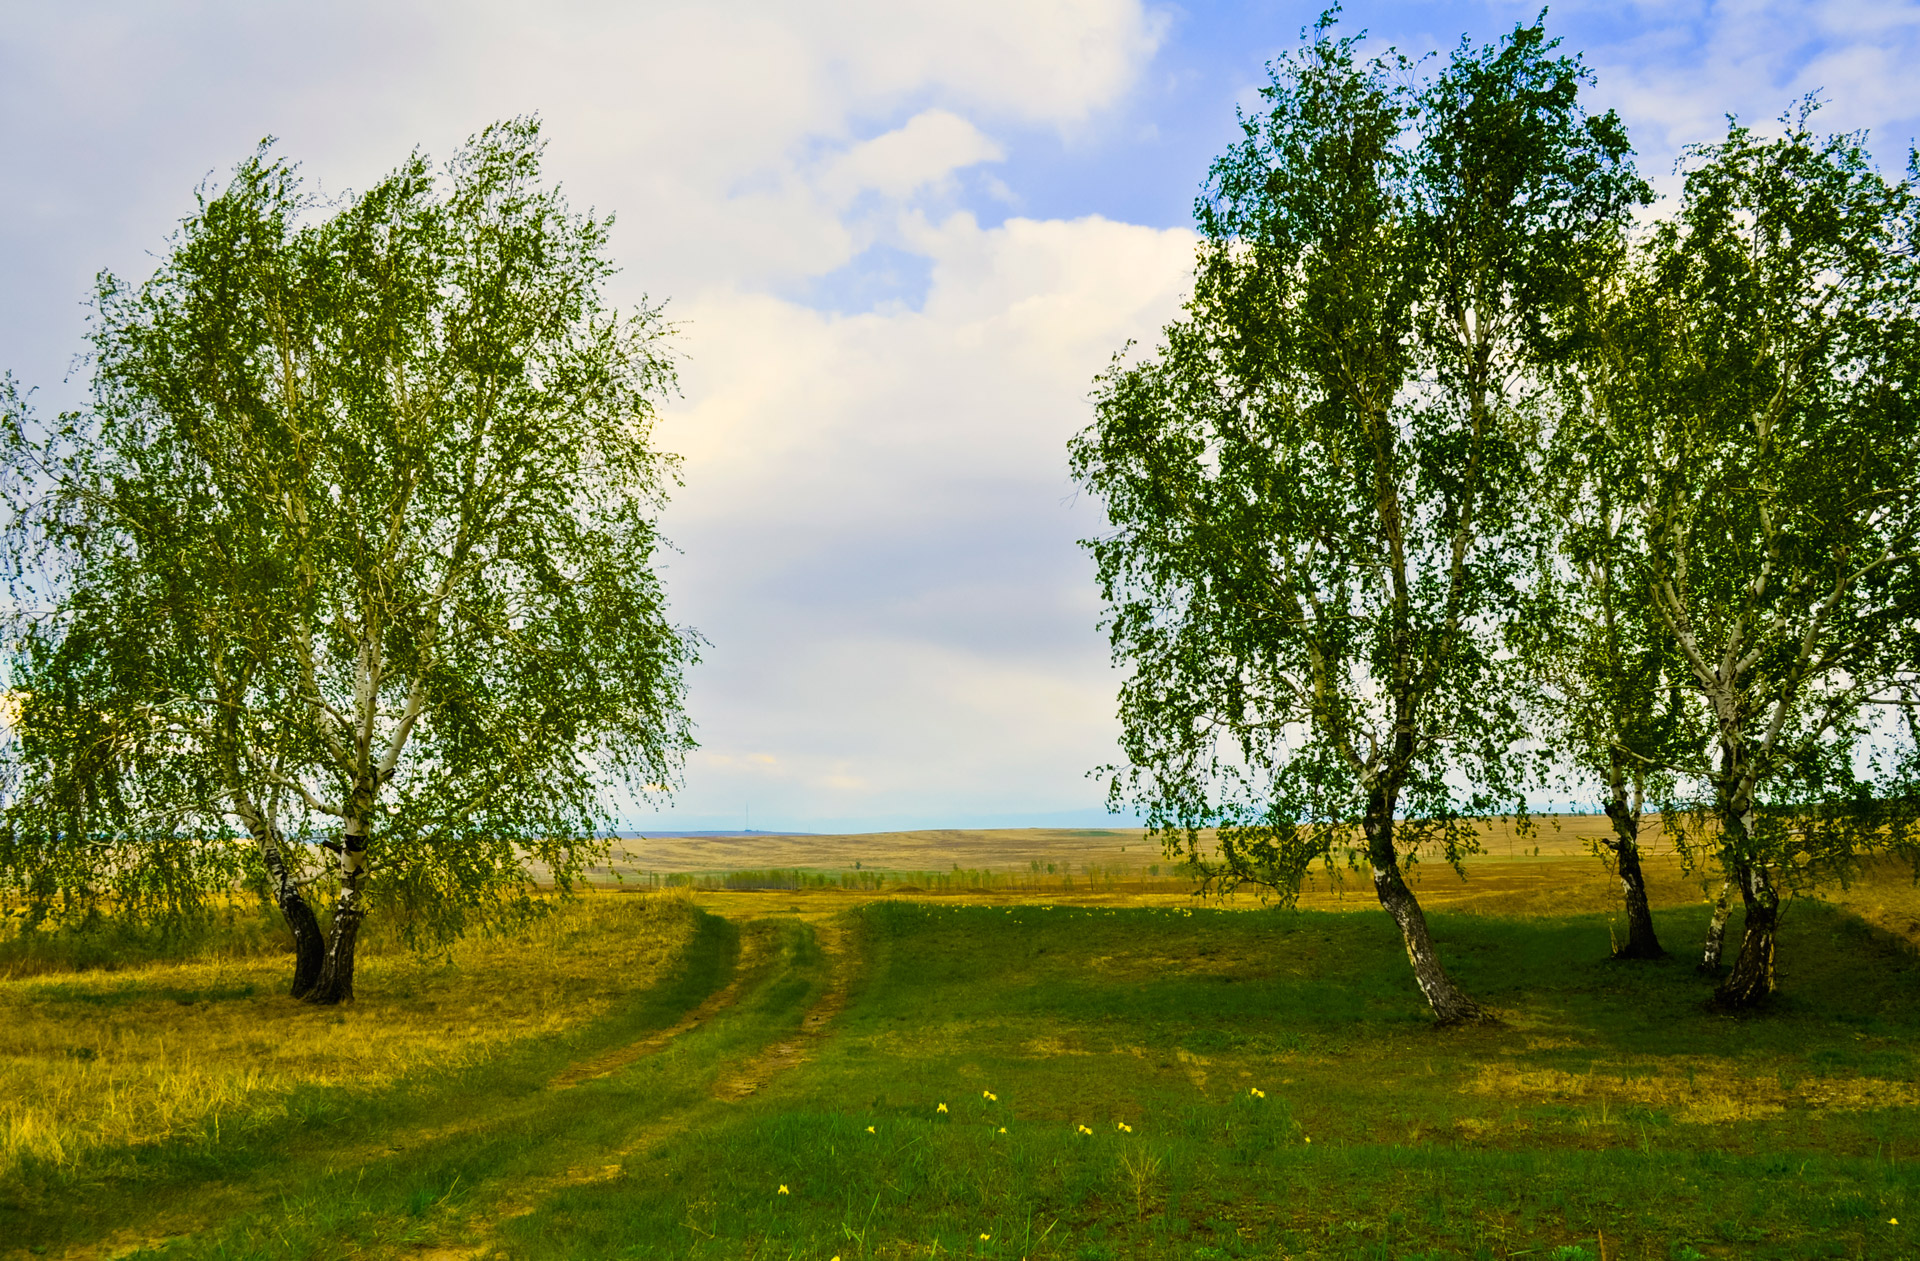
610,1062
730,1086
745,968
735,1085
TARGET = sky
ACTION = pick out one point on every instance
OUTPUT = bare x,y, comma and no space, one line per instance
898,240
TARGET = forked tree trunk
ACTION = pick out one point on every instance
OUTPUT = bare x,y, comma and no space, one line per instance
1716,934
1449,1002
335,984
1642,943
1751,981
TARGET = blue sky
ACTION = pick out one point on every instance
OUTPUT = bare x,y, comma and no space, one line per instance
900,240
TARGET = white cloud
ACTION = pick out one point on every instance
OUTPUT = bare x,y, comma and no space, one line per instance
1683,68
877,522
927,150
884,526
705,125
732,135
873,524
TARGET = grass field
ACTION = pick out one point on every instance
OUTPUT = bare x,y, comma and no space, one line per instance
1094,1070
96,1058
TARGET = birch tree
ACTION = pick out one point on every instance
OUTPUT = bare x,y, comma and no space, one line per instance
434,434
150,591
1315,485
1607,681
1763,386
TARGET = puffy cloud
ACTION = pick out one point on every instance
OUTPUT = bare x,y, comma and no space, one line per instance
724,134
884,530
1677,70
875,531
928,149
877,524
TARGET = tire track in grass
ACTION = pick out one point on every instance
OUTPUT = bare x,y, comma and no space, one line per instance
184,1213
612,1061
730,1085
494,1155
748,1078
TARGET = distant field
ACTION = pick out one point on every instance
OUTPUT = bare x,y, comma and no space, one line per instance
1010,849
1549,869
1015,1066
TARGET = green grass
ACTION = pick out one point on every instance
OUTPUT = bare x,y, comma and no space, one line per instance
1612,1102
1092,1017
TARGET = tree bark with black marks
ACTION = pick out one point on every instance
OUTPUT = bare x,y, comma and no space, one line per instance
1716,940
1450,1004
1750,981
1624,813
302,925
335,982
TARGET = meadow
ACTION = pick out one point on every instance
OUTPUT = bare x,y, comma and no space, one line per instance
1092,1066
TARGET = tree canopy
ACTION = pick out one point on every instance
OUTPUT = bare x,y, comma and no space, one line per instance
1318,483
1450,472
354,554
1749,414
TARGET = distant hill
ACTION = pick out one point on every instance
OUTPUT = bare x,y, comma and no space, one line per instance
673,834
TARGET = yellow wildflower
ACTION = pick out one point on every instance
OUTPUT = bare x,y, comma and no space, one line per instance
1256,1092
1124,1127
1003,1129
869,1129
989,1096
941,1108
783,1189
984,1238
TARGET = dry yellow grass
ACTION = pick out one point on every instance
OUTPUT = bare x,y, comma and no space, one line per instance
1550,869
1693,1089
89,1059
1002,849
1015,852
1886,895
